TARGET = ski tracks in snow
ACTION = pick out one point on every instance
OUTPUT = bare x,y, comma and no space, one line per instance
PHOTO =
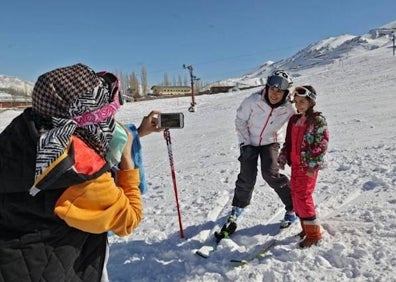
365,182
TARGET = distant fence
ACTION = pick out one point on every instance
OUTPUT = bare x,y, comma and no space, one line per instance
14,104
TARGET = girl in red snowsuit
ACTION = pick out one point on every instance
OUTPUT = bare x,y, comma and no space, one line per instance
306,143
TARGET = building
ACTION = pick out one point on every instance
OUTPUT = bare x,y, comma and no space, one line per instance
161,90
12,101
221,89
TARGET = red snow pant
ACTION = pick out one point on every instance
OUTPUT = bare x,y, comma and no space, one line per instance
302,187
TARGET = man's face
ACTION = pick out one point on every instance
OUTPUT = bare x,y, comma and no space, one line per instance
275,95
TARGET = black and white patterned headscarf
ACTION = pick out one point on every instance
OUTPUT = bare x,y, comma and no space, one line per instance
64,95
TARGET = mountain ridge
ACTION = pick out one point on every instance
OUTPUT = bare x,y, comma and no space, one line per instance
321,52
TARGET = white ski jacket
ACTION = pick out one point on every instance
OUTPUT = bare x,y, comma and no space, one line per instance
258,124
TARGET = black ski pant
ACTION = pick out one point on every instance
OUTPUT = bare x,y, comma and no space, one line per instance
244,185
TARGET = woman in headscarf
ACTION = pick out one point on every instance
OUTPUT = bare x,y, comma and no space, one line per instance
58,197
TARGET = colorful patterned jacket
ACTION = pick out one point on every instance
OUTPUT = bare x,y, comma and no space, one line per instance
314,144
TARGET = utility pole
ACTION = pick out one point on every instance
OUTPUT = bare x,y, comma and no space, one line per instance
193,78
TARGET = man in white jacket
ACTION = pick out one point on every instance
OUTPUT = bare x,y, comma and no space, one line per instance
259,123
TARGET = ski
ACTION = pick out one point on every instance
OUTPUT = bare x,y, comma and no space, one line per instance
240,262
267,246
225,232
206,250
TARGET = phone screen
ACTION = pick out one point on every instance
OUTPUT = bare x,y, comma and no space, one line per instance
171,120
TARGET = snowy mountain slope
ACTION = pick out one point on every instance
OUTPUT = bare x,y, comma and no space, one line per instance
325,52
355,196
15,83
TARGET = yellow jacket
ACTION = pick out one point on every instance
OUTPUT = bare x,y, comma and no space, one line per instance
99,205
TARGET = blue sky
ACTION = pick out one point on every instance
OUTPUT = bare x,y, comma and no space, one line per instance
219,38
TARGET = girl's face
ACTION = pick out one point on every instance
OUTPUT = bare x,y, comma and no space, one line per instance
302,104
275,95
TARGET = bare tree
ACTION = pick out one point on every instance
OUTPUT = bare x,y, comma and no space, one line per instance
166,80
134,86
179,80
124,79
143,78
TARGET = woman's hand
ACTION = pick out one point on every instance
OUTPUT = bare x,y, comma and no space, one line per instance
149,124
126,162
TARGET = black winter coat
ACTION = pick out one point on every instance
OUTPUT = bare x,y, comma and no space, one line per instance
36,245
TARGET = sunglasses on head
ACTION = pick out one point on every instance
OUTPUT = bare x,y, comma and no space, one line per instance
107,110
114,86
304,92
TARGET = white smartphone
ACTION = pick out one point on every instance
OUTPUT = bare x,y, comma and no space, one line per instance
171,120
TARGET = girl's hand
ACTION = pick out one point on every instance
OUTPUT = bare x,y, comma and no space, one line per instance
311,172
281,161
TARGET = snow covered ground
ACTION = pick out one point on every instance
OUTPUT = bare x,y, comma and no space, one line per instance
355,194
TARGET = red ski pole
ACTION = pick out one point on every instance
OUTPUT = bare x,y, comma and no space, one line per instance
169,145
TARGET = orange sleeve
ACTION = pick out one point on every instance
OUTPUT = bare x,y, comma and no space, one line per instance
98,205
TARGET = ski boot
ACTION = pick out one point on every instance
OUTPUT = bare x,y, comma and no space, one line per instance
290,217
230,226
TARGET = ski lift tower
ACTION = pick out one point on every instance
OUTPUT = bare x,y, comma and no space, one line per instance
391,31
193,78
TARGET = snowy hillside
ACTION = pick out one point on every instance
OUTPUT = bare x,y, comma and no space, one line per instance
355,194
15,83
326,51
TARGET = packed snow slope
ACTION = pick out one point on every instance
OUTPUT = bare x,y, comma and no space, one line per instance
355,194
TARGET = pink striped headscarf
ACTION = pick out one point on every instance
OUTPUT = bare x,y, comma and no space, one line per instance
78,102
